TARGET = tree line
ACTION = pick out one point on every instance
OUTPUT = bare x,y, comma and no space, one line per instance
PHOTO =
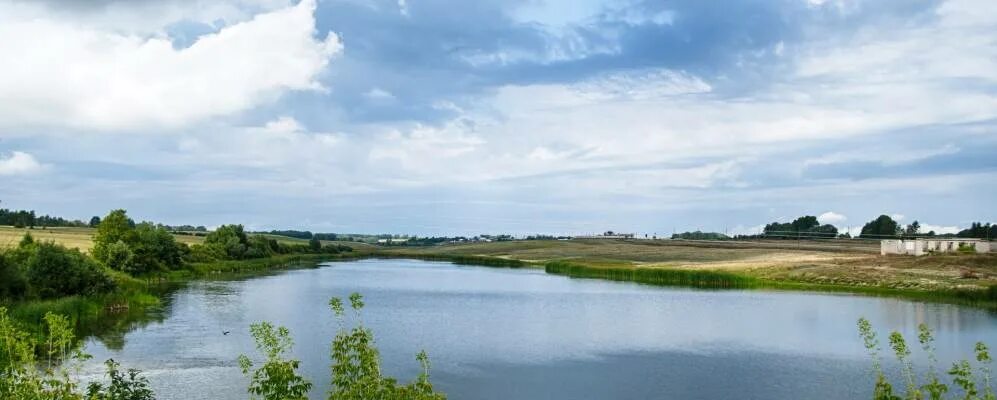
28,219
44,270
883,226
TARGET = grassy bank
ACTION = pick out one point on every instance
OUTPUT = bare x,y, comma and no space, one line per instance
459,259
259,265
952,278
654,276
134,298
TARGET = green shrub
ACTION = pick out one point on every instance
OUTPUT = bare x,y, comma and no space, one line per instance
13,284
54,271
962,372
119,257
356,365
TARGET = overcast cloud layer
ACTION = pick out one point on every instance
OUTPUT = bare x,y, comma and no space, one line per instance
446,117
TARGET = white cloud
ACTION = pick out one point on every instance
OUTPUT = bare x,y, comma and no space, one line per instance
123,81
925,228
19,163
378,94
831,217
897,217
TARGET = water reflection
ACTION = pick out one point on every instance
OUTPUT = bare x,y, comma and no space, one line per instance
483,325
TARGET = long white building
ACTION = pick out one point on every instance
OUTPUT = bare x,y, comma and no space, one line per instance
924,246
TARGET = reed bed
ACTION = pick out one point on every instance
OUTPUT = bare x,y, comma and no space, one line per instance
654,276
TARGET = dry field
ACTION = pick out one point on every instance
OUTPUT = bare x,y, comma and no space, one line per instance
80,238
856,263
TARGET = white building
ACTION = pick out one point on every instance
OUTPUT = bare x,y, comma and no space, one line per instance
923,246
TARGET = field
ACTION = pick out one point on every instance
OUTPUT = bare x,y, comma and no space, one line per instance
82,238
843,263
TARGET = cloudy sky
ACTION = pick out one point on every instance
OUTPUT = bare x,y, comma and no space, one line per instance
490,116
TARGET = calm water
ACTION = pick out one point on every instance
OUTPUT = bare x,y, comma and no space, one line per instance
521,334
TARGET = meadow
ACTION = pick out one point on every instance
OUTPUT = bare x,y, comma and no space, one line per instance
841,265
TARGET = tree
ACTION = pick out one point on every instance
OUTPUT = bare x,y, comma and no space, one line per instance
913,228
805,224
979,230
115,227
94,221
881,226
231,239
315,245
155,249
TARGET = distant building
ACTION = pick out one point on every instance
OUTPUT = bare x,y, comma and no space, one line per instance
607,235
395,240
924,246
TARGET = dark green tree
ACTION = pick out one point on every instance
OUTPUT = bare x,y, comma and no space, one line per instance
55,271
805,223
881,226
94,221
913,228
154,249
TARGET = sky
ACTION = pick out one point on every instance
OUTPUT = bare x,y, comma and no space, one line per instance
434,117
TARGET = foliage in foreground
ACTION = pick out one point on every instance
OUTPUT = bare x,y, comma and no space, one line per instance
356,365
962,372
23,376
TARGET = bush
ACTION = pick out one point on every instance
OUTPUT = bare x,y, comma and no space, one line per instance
13,284
53,271
119,256
356,369
200,253
21,376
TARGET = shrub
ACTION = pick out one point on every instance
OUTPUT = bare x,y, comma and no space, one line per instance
962,372
119,256
22,378
356,368
54,271
13,284
122,386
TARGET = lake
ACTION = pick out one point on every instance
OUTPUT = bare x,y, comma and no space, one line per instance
523,334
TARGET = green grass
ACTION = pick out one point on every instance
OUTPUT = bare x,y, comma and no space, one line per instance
253,266
459,259
654,276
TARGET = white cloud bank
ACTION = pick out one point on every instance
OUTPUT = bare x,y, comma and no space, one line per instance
19,163
63,74
831,217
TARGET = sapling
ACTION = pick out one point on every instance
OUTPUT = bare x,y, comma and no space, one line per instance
902,352
962,376
935,388
983,357
883,390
